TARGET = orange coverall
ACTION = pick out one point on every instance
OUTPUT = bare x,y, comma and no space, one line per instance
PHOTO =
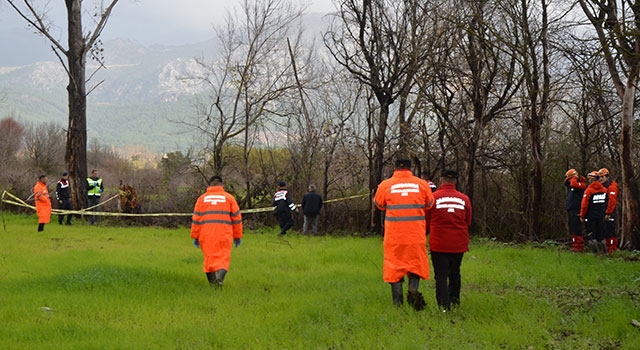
216,221
43,202
404,198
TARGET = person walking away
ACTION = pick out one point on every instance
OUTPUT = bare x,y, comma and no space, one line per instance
592,212
311,205
216,225
404,198
448,223
610,237
43,202
63,196
95,186
575,185
282,207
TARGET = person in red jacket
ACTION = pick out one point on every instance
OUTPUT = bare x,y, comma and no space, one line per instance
611,240
592,211
43,202
448,222
216,226
404,198
575,185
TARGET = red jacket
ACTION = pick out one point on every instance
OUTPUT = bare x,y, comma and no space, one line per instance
404,198
594,201
216,221
448,221
612,196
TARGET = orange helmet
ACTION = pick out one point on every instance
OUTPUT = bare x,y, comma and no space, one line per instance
570,173
603,172
594,174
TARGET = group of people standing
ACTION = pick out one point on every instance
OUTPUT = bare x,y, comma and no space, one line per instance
592,201
95,187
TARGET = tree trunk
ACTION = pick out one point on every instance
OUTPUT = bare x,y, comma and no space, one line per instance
630,237
375,174
536,179
76,155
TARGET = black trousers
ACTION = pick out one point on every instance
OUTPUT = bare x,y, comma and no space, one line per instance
66,205
575,225
286,221
446,267
610,226
595,228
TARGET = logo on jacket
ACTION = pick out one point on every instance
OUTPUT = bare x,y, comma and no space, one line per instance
599,198
214,199
280,195
450,203
405,188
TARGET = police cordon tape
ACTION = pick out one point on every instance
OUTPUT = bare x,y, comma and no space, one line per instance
14,200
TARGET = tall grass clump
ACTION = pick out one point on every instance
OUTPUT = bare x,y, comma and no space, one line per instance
88,287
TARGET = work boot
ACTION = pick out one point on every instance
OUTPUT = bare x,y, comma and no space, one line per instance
40,227
396,293
577,244
612,244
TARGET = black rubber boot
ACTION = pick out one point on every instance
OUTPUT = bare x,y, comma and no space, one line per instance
396,293
40,227
220,277
416,300
414,282
211,277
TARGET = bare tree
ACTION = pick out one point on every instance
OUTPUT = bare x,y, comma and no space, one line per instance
80,44
11,133
617,26
44,146
377,41
244,85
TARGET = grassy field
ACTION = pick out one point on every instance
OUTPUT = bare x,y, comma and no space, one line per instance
87,287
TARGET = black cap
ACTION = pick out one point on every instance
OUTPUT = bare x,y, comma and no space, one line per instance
65,173
41,176
281,183
403,163
215,178
448,173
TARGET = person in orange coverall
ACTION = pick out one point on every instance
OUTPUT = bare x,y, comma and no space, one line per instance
404,198
216,226
43,202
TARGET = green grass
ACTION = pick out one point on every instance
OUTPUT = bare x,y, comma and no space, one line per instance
87,287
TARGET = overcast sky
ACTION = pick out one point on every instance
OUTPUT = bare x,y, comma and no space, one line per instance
170,22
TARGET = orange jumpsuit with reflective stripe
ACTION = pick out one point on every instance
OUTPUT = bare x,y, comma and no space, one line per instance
216,221
43,202
405,199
